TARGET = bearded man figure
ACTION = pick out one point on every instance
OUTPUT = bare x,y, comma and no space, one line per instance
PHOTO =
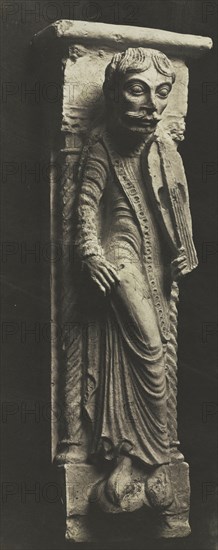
134,240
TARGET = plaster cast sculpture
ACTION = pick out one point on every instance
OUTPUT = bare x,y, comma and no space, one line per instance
125,207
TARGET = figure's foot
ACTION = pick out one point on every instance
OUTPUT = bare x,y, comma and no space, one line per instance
158,488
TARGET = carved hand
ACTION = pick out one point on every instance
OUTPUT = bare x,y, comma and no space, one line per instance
102,273
179,265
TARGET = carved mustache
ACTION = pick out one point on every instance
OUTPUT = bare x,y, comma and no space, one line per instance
154,119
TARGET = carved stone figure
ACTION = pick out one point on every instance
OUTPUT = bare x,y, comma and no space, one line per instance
122,202
134,241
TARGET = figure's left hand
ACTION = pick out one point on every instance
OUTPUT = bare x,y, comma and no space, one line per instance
179,265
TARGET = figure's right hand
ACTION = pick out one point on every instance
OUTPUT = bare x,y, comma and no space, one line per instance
102,273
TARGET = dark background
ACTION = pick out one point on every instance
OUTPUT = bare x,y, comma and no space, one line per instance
35,523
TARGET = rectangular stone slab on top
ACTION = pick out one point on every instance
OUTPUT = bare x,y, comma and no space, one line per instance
123,36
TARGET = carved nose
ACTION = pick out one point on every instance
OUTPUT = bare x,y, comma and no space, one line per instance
151,107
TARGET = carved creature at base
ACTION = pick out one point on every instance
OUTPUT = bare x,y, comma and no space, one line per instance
91,514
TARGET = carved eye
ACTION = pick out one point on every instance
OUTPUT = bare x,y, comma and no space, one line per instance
163,92
136,89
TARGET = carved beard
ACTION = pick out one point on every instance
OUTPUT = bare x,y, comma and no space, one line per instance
132,126
139,123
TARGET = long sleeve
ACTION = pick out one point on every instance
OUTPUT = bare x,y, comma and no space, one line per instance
94,181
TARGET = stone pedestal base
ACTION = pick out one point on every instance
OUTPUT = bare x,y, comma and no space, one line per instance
86,522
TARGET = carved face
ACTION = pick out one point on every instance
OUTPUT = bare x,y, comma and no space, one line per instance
143,98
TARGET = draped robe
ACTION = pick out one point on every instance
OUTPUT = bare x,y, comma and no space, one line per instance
116,220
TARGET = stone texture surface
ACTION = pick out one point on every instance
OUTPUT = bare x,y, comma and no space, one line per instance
85,523
83,109
84,50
